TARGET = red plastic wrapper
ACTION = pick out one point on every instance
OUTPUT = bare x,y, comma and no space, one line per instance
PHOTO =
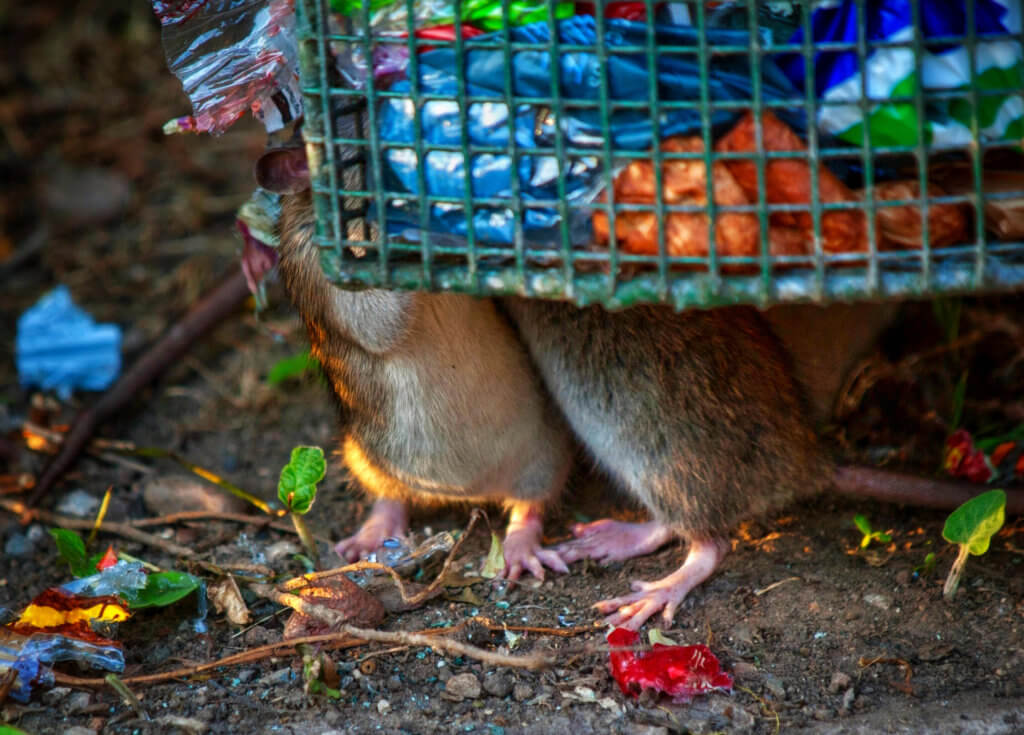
682,672
965,460
109,559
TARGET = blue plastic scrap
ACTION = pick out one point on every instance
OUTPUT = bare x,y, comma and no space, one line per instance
580,80
59,347
892,71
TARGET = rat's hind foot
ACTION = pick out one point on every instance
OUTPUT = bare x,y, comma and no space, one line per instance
632,611
606,540
522,544
388,518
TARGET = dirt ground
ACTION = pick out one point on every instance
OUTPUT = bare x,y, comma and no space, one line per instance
137,225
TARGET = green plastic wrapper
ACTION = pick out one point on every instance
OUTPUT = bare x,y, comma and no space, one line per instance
392,15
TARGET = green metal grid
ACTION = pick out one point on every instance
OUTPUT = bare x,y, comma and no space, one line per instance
341,131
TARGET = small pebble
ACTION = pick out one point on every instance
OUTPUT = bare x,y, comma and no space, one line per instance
463,686
822,714
848,698
79,730
280,550
743,633
521,692
78,702
743,670
274,678
78,503
18,545
55,696
498,684
839,682
774,686
166,494
882,602
383,706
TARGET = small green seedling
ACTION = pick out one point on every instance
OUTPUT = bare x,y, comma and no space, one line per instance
862,524
297,490
972,526
927,567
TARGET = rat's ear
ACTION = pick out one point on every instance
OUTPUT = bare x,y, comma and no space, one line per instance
283,170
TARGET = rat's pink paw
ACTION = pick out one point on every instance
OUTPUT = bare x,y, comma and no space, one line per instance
523,552
608,541
665,595
387,519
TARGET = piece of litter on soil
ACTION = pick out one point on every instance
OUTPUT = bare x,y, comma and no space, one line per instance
78,504
59,347
58,627
679,671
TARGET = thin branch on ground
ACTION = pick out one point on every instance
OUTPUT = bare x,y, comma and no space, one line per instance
27,514
440,643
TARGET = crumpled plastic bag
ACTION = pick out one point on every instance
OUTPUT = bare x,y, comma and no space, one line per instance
533,126
59,347
891,71
232,56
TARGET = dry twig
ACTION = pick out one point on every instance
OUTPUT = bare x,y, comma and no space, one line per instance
120,529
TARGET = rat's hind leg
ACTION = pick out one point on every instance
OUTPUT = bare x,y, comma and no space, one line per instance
523,549
608,541
632,611
387,519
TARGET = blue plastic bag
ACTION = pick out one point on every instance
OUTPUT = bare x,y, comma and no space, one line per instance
579,74
891,71
59,347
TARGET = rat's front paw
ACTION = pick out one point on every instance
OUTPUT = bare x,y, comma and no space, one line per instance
523,551
387,519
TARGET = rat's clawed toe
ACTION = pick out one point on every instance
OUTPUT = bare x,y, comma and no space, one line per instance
664,595
608,541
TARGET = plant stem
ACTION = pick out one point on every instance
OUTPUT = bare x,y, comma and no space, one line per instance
306,537
955,572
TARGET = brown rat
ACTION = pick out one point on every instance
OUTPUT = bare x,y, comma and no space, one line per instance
439,400
704,418
695,414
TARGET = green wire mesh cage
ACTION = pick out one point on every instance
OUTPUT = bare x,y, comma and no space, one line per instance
551,149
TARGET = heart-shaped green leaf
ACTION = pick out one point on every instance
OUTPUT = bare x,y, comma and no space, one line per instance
162,589
975,522
297,487
72,550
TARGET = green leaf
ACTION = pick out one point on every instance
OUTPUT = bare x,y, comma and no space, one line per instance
987,444
72,550
292,367
975,522
297,487
656,636
861,522
162,589
495,563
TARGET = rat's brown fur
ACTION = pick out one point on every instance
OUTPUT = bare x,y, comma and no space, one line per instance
695,414
440,401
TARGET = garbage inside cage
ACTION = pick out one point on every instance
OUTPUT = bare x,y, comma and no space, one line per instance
578,136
